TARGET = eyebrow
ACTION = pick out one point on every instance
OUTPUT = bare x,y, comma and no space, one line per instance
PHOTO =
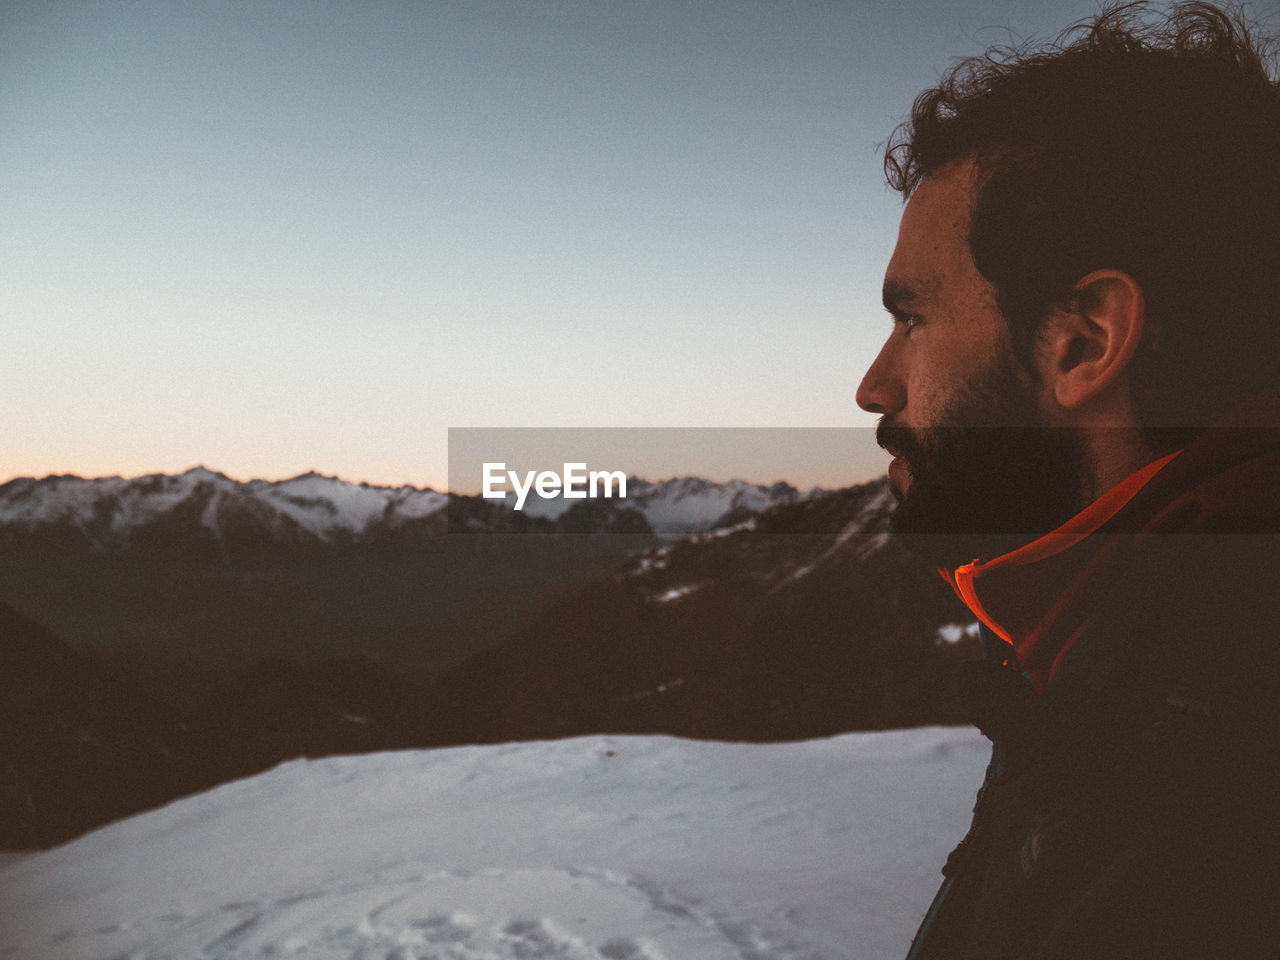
896,296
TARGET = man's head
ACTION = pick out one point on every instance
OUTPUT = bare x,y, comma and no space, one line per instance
1091,242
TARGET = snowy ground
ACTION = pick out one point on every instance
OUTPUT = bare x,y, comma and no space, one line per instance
597,848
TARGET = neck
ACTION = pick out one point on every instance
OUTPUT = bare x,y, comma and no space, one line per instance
1114,453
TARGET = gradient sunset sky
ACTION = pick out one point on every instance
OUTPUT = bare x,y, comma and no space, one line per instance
276,237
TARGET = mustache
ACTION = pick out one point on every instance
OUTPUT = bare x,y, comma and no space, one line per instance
899,440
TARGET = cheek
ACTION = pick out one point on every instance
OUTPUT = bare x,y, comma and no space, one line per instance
927,393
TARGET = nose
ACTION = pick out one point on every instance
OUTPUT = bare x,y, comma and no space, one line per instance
882,389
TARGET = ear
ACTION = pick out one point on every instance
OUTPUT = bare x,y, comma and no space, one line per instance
1087,347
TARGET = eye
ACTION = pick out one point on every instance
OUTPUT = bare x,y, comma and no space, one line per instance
907,321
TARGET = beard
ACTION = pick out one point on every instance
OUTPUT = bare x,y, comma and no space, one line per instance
990,475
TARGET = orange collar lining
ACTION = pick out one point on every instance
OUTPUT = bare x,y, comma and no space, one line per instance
1083,524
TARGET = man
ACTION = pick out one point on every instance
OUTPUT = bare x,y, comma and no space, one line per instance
1080,396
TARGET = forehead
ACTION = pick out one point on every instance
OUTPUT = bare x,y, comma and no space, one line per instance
933,238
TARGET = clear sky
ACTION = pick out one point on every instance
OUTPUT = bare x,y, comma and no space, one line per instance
275,237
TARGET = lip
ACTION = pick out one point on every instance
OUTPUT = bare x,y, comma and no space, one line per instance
899,476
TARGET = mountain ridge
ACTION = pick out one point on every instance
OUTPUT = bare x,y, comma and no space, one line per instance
312,509
804,620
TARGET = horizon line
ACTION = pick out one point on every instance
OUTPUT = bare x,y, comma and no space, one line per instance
313,472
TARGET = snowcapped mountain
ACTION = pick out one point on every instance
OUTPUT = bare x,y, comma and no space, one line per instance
685,505
679,505
109,512
823,526
113,513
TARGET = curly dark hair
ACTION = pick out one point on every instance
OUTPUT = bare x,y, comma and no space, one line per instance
1144,144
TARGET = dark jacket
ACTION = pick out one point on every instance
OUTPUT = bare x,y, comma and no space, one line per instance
1132,808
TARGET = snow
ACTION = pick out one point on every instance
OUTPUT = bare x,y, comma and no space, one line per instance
546,508
801,571
110,508
689,504
80,502
209,516
410,503
661,688
324,505
655,560
872,544
719,533
952,633
56,498
594,848
676,593
679,505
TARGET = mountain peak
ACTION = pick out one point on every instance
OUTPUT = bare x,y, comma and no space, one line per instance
201,472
